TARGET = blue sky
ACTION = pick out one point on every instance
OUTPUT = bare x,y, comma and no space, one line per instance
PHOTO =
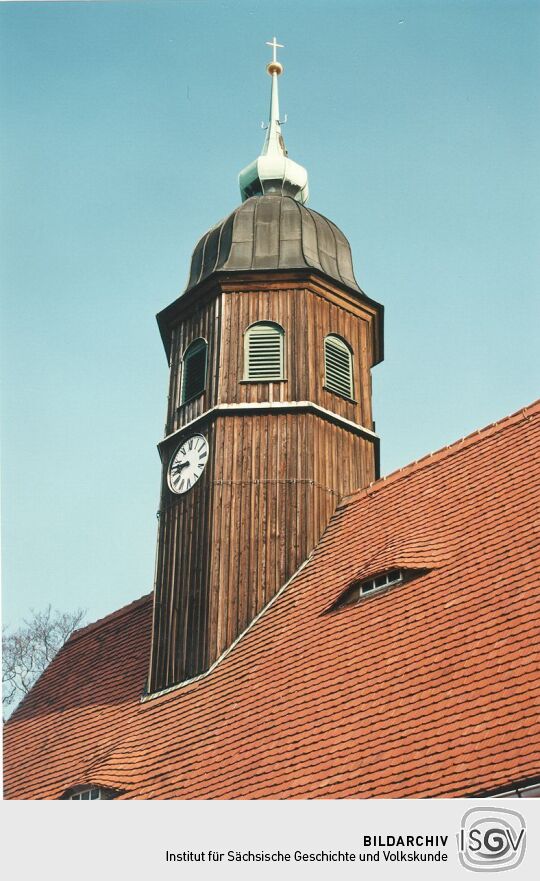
124,128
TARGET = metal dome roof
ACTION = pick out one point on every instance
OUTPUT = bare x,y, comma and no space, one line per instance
273,231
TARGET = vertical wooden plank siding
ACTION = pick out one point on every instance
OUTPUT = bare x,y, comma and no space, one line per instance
273,478
307,318
203,323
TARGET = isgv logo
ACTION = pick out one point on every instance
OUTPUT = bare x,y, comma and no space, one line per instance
491,839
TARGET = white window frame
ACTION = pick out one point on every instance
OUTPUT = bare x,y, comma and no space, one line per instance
87,793
248,334
362,589
380,582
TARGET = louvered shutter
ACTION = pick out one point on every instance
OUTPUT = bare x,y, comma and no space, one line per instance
338,366
194,370
264,352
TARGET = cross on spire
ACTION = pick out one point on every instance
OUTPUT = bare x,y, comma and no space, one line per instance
273,171
275,46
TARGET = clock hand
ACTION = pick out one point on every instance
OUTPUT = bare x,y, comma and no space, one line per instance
179,465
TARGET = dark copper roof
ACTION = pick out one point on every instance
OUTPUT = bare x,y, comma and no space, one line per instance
273,232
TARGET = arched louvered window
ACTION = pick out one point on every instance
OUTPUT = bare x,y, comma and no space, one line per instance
263,352
194,370
338,366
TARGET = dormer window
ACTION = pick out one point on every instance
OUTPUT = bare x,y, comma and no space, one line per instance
338,366
87,792
363,588
263,352
395,576
194,370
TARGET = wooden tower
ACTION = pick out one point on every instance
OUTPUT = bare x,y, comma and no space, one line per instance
269,418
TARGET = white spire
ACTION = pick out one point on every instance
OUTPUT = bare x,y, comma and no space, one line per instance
274,143
273,171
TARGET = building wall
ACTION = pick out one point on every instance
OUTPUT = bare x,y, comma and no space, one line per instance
307,314
274,475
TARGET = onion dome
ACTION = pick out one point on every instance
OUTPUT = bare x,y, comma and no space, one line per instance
273,232
273,171
273,229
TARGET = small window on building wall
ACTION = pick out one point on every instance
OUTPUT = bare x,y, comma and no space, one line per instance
194,370
338,366
263,352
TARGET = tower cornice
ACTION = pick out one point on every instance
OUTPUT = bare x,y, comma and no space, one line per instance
166,445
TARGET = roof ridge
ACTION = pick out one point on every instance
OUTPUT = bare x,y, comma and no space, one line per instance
118,613
442,453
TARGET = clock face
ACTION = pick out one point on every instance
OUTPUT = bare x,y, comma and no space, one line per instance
187,464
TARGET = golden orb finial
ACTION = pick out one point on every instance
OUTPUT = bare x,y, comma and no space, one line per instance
274,66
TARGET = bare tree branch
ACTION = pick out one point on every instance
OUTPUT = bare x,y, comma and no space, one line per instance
27,651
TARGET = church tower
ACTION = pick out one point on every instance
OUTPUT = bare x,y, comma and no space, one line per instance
269,418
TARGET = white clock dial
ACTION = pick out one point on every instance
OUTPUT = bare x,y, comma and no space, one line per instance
187,464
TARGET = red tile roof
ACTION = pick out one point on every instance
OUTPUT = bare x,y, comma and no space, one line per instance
427,689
